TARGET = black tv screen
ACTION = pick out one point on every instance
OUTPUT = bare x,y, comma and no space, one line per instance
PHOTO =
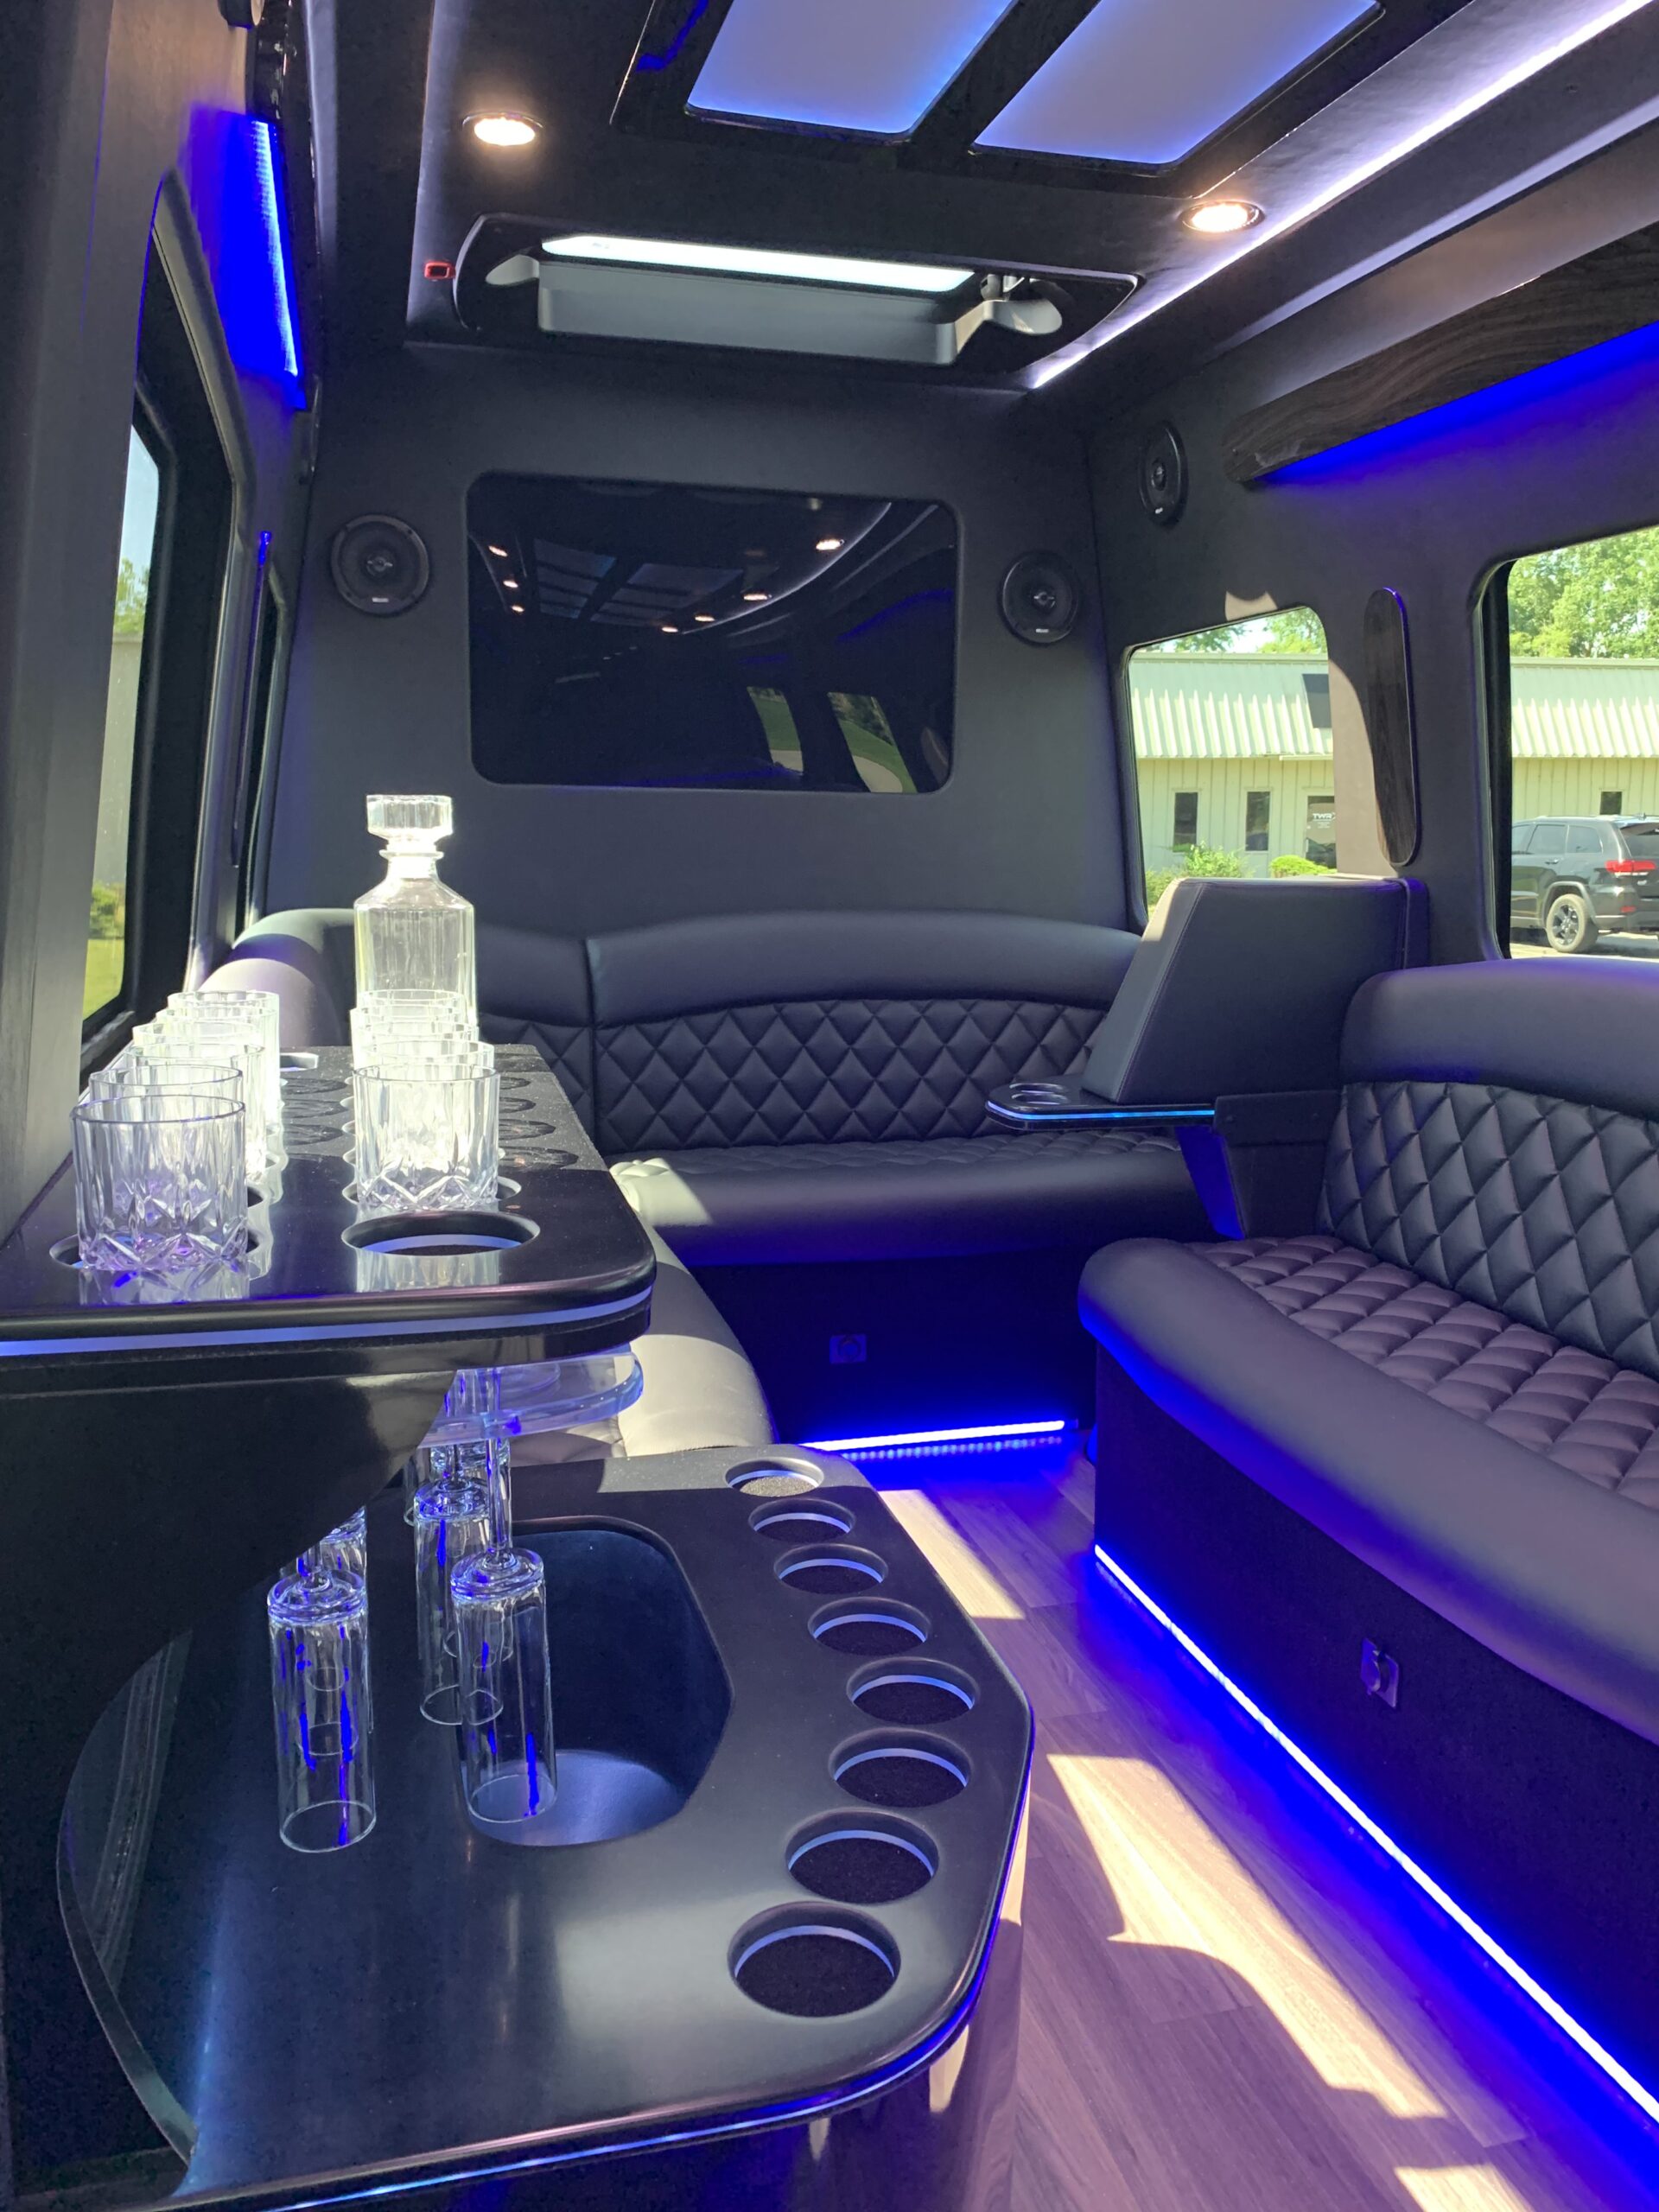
659,634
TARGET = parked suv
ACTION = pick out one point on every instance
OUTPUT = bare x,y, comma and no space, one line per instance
1574,875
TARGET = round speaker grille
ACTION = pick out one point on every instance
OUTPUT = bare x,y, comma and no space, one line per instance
379,565
1040,599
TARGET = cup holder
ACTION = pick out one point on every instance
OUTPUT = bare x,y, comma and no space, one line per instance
779,1475
439,1236
865,1860
831,1570
1039,1094
902,1771
791,1521
871,1631
920,1694
814,1967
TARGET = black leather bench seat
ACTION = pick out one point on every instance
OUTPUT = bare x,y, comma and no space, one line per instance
913,1198
1577,1408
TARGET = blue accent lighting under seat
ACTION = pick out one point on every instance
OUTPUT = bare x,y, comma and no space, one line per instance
1148,80
870,66
1637,2091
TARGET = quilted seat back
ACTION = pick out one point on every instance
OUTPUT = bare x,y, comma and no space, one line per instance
823,1070
1490,1139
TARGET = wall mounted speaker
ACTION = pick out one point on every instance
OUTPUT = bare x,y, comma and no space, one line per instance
379,565
1040,598
1163,475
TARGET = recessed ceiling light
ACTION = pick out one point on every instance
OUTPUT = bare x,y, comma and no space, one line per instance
753,261
509,583
755,598
670,629
499,551
1219,218
829,545
504,130
518,609
705,617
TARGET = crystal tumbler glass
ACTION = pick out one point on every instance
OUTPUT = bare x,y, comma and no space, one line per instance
427,1137
320,1704
180,1032
160,1189
264,1008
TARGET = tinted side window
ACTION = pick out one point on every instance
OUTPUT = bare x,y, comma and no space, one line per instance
1233,750
1578,630
106,936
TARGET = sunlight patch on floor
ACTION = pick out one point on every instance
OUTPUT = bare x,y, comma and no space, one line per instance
1460,2189
970,1582
1176,1884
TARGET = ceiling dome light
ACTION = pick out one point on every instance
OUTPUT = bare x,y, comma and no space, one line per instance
704,618
500,552
756,598
829,545
759,261
1219,218
504,130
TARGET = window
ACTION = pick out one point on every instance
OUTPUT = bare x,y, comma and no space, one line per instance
1233,751
106,940
1573,661
641,634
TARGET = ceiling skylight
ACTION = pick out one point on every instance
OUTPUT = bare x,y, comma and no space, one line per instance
1147,82
744,261
865,66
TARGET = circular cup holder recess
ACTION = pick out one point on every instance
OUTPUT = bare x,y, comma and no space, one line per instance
862,1859
1037,1094
901,1771
877,1630
914,1693
816,1965
782,1474
831,1570
793,1521
435,1236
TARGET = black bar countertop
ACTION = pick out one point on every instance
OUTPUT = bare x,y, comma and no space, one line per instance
435,2001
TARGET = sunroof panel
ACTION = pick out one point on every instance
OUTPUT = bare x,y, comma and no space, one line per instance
869,66
1145,81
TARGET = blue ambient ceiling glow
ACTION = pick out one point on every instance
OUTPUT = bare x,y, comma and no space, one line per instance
873,67
745,261
1148,81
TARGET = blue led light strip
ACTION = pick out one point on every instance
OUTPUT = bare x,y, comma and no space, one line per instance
1550,2007
267,163
1024,1432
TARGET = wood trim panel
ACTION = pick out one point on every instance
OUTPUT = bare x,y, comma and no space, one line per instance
1604,295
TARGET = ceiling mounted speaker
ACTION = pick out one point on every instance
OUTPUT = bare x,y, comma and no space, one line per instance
379,565
1163,475
1040,599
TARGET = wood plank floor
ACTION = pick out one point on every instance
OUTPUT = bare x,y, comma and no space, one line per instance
1228,2006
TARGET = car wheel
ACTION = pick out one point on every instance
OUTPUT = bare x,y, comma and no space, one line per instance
1569,926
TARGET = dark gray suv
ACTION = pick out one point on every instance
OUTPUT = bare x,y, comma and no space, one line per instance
1574,875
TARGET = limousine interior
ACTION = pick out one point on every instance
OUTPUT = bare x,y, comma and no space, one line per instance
829,1105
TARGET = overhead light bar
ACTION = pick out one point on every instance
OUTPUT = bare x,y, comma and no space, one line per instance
759,261
1551,2006
1153,298
862,66
1147,81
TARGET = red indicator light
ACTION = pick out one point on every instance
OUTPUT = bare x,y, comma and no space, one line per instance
440,272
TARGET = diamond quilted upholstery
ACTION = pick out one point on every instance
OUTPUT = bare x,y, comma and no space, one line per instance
900,1157
1577,1407
1543,1210
567,1048
814,1072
